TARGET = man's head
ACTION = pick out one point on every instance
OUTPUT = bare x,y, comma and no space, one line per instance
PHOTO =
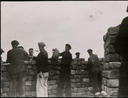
77,54
14,43
31,51
90,51
67,47
41,46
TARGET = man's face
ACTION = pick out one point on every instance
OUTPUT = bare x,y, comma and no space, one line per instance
89,52
67,48
41,48
77,55
31,51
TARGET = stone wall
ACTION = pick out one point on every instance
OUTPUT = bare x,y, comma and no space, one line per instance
110,74
79,80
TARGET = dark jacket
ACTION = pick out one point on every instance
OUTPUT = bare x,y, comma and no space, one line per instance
121,43
66,60
16,58
93,62
42,62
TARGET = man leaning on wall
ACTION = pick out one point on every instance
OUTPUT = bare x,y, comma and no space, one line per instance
16,70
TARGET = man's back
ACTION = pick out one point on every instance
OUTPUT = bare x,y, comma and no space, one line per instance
17,57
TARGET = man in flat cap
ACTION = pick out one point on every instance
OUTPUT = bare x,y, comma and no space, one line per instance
94,72
121,47
64,78
77,55
17,70
43,71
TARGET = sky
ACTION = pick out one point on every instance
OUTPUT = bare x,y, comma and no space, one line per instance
56,23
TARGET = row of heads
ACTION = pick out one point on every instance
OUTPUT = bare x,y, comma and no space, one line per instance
42,44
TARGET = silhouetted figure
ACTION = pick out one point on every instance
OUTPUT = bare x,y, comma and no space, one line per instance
94,72
17,70
121,47
65,71
43,71
77,55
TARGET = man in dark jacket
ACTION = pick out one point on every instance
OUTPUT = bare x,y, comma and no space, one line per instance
64,79
43,71
94,72
121,47
17,69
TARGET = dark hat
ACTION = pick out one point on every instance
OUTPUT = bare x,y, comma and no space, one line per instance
89,50
68,46
77,53
15,42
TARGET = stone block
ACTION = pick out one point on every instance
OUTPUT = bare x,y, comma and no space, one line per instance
28,83
85,79
73,72
81,90
111,65
113,83
74,95
52,82
28,93
111,74
50,87
112,58
111,91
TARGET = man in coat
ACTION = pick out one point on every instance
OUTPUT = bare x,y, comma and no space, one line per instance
94,72
17,70
64,79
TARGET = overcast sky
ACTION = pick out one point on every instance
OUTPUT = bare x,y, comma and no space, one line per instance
79,23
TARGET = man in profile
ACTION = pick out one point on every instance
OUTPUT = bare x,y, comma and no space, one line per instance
121,47
16,70
94,72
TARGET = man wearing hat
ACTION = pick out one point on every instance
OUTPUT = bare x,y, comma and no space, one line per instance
17,70
94,72
64,78
43,71
77,55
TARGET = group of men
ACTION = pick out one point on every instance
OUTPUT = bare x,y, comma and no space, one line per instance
17,58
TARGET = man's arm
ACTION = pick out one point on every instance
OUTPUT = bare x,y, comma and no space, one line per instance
8,57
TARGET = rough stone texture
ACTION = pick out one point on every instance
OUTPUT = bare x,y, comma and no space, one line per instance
79,80
110,74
